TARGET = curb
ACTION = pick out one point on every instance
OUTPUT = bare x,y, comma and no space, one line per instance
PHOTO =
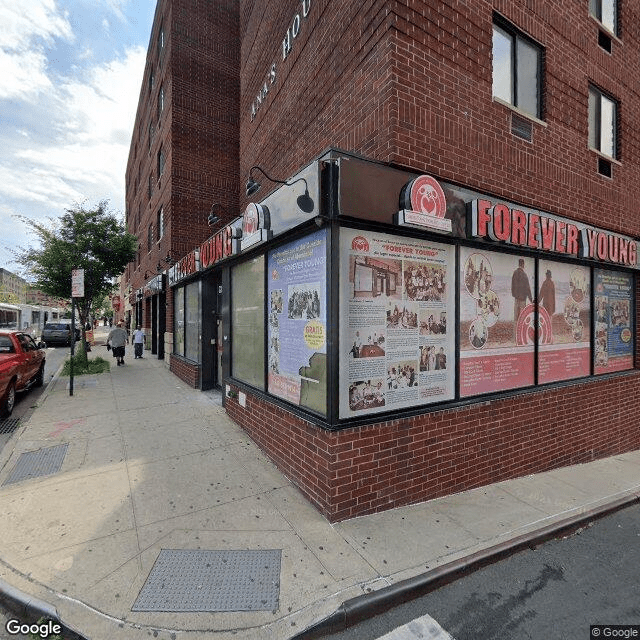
19,602
31,609
22,603
355,610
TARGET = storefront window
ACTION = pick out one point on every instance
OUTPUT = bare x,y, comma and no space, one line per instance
178,321
397,345
247,322
192,321
497,321
564,321
297,305
8,319
614,331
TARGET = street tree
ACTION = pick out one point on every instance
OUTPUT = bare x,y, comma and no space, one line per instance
93,239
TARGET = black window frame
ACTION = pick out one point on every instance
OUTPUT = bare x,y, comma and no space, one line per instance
517,34
597,121
595,10
160,224
160,102
161,161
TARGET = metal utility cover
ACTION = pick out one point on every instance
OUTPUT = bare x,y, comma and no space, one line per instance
184,580
9,425
34,464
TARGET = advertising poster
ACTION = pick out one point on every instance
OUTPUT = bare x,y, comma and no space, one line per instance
397,303
613,328
564,320
297,317
497,318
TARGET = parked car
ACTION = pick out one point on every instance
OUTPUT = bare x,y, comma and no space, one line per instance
21,367
58,332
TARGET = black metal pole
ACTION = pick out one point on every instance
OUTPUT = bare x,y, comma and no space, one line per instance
73,343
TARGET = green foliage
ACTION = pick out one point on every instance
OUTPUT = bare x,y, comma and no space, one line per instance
83,366
90,239
80,355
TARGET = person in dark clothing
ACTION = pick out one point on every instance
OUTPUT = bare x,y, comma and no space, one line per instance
548,294
520,290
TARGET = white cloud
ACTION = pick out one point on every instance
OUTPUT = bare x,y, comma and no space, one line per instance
27,27
23,75
24,21
65,135
117,6
86,158
95,117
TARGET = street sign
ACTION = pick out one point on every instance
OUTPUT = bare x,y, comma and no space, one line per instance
77,283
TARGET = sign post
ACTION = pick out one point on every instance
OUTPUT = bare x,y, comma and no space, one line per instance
77,291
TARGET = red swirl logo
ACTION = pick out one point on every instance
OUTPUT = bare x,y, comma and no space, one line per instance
360,244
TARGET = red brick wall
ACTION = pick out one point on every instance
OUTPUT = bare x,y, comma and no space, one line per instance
187,371
335,87
411,83
376,467
198,130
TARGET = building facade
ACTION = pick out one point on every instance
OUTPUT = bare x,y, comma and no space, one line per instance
183,160
13,288
439,289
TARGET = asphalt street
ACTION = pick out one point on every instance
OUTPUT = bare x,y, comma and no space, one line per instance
557,590
26,401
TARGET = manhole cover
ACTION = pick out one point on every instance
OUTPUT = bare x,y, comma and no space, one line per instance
35,464
196,580
9,425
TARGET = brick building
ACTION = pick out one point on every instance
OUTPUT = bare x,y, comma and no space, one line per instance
183,160
13,288
439,290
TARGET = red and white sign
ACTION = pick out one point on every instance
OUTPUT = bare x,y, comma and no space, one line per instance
423,204
116,303
424,195
256,225
535,230
77,283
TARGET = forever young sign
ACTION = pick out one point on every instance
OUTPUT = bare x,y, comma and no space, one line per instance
539,231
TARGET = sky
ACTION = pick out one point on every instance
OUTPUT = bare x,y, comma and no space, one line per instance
70,76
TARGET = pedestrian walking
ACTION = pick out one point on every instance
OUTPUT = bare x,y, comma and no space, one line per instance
138,340
118,339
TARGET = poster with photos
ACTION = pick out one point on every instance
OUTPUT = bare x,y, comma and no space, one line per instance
297,322
613,305
564,310
397,298
496,321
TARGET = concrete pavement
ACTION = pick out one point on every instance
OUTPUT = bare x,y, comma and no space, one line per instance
152,465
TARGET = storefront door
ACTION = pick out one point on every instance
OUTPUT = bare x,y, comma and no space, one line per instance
212,331
217,333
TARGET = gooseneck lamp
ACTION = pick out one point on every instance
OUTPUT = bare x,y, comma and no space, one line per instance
304,201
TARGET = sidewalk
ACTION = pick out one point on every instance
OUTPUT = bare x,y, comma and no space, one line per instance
153,465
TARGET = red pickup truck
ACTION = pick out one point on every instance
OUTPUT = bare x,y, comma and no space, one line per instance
21,367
